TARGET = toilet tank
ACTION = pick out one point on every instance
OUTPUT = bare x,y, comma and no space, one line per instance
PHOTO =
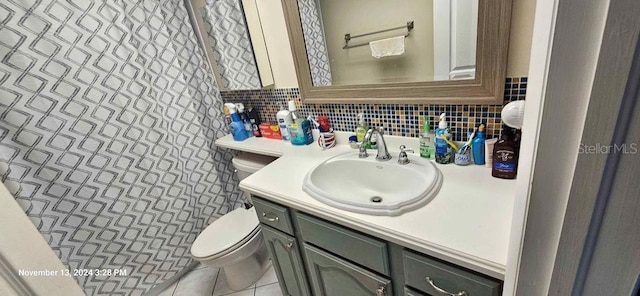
249,163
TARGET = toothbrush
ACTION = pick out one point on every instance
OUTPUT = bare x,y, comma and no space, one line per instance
445,137
467,145
313,120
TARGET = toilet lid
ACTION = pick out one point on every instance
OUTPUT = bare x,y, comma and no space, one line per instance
251,163
225,232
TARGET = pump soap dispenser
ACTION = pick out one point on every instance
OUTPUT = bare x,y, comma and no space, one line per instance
444,151
300,127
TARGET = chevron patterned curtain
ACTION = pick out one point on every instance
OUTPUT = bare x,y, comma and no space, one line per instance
108,117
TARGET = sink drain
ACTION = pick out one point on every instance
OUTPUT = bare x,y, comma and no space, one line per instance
376,199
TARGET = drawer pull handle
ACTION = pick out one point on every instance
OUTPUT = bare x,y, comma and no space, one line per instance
289,247
382,291
270,218
443,291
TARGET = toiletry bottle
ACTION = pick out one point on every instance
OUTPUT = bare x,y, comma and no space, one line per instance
236,127
227,115
488,152
284,120
427,148
323,124
361,129
444,152
254,119
300,128
245,119
505,155
478,146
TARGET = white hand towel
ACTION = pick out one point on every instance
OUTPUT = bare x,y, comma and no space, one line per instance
387,47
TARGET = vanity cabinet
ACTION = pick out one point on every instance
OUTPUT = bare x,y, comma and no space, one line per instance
435,277
287,262
313,256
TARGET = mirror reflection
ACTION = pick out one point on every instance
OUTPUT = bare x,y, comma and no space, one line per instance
357,42
231,34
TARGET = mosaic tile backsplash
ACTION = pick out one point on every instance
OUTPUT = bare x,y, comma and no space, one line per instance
397,119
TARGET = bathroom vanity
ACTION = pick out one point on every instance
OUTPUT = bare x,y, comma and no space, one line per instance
312,256
455,244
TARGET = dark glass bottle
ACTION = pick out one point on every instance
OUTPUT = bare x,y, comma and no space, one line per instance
254,119
505,154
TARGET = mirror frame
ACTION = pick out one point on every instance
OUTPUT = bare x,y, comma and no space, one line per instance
265,75
494,22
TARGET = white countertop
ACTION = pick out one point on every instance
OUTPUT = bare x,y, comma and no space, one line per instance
467,223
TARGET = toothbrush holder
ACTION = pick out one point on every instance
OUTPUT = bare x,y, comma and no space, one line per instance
327,140
463,158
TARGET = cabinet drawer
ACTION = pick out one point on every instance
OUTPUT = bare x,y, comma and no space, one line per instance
356,247
419,269
332,276
273,214
411,292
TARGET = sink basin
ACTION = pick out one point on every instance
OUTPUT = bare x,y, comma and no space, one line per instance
369,186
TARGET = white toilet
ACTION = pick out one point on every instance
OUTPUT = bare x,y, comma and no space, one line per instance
234,242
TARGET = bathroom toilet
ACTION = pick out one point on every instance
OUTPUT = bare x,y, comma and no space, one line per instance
234,241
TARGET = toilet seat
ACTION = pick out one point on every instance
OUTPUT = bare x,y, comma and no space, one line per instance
232,249
226,234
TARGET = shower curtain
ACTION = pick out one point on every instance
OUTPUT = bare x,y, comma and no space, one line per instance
108,117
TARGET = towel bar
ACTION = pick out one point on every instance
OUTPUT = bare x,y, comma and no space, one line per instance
348,37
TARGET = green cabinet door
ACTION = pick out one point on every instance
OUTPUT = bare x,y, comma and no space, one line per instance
287,262
332,276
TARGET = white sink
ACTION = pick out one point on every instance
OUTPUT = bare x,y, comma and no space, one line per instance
369,186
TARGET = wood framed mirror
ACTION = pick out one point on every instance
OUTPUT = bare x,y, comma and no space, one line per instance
230,34
349,27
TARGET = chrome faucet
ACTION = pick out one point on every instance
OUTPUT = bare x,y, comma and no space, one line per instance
383,153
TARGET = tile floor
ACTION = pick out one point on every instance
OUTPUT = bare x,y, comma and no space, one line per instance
209,281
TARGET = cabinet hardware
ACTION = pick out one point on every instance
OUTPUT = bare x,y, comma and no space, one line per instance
270,218
381,291
443,291
289,247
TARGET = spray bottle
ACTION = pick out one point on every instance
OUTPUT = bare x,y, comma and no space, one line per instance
236,127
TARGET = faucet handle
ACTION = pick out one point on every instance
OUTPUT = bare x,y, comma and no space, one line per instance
404,149
403,158
362,150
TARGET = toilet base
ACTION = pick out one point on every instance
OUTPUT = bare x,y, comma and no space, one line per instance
245,273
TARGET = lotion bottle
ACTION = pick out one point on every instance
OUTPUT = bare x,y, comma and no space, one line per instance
284,120
505,155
